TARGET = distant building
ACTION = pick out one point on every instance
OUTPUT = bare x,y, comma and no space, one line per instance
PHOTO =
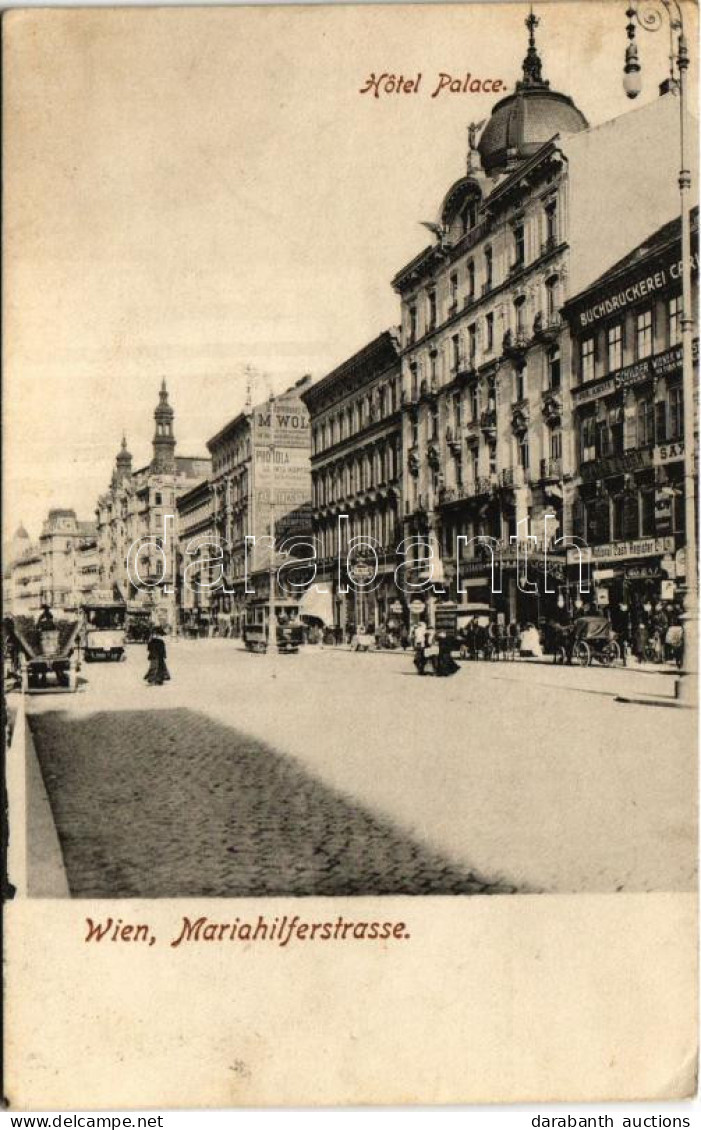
26,582
245,477
69,560
135,507
356,427
195,535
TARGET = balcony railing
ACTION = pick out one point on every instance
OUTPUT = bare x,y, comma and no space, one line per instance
512,477
551,469
487,287
548,245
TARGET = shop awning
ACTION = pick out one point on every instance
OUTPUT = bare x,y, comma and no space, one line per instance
317,605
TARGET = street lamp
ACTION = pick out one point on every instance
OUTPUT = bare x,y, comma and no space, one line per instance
649,16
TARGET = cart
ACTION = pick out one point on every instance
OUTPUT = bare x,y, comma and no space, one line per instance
48,655
594,638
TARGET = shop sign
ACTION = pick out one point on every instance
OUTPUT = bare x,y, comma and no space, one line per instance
604,574
601,597
667,590
680,562
620,550
617,465
668,453
643,573
662,364
396,606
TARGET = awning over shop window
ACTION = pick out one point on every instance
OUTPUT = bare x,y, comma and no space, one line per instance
317,605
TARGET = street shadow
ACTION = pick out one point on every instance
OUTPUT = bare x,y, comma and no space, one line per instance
173,804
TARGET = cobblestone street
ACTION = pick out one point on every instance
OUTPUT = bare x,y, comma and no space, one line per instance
334,773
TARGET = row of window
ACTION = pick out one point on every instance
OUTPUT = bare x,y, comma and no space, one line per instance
348,421
626,516
361,473
655,422
382,526
643,340
518,260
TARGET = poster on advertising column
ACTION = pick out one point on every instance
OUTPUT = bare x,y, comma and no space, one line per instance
392,307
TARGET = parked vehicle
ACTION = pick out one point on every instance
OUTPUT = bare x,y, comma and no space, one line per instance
594,638
104,630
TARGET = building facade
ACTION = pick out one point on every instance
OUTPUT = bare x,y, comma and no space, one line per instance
69,561
135,507
195,535
356,429
486,367
628,423
260,474
27,582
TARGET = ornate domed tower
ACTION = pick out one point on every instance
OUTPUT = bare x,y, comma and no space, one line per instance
123,463
525,120
163,440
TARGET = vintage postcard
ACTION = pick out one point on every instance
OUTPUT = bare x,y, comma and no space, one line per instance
350,593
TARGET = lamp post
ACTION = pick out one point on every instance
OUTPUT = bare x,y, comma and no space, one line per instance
648,15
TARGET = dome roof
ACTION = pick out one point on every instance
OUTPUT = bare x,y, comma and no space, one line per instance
525,120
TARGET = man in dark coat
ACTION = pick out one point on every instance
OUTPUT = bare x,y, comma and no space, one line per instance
157,671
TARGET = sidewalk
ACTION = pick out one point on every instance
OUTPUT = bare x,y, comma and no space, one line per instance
35,863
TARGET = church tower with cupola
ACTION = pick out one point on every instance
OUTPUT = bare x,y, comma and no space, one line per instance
163,440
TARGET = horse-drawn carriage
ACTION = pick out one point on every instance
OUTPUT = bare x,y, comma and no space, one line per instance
589,638
46,654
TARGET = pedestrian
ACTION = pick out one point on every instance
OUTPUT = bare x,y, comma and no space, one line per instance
157,672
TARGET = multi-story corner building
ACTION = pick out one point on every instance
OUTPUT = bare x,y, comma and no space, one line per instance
628,422
69,561
486,383
356,428
136,506
195,536
11,552
257,463
26,583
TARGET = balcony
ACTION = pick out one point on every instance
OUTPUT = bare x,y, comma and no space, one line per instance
511,478
551,405
551,470
487,287
469,300
548,245
517,267
452,438
485,484
453,308
464,369
547,329
488,422
515,345
428,390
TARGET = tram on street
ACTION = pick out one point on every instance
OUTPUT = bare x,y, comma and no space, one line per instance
289,627
104,629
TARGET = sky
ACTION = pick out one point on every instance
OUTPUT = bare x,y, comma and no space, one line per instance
192,191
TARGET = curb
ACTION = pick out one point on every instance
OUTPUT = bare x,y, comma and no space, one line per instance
45,868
